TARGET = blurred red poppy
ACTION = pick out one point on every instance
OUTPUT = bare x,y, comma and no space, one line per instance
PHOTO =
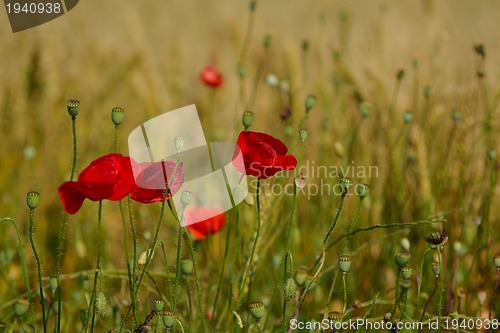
264,155
153,178
108,177
205,227
211,77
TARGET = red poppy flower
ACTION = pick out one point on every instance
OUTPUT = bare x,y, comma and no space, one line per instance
109,177
153,178
206,227
211,76
264,155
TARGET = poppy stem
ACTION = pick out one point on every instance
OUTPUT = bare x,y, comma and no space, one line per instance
250,259
23,267
420,280
335,220
178,264
39,267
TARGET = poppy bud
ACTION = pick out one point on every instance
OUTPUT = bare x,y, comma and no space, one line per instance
310,102
406,272
345,184
73,107
249,200
187,266
32,199
362,190
257,310
272,80
480,50
290,289
455,116
400,74
300,181
178,143
405,244
158,305
55,307
496,261
300,276
168,319
407,117
53,284
117,115
143,257
435,268
492,154
267,41
101,304
21,307
344,263
186,197
247,119
402,259
364,110
302,135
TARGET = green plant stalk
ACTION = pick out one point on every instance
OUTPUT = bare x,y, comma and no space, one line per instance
39,268
294,201
353,224
308,286
335,220
250,259
96,274
494,296
285,278
169,290
344,288
23,268
62,234
177,266
396,300
196,279
221,274
430,298
440,303
420,281
134,258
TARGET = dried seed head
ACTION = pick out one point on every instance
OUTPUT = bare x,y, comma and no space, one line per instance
344,263
402,258
436,238
168,319
32,199
406,272
158,305
117,115
73,107
335,318
247,119
257,310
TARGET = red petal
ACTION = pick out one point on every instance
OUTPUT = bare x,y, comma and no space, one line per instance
71,198
202,229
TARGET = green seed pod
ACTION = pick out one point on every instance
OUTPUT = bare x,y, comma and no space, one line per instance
455,116
407,117
117,115
272,80
362,190
301,276
344,263
310,102
455,315
302,135
435,268
158,305
345,184
73,107
101,304
267,41
32,199
242,71
187,266
290,289
178,143
406,272
496,261
3,327
257,310
21,307
168,319
492,154
247,119
364,109
402,258
53,284
186,198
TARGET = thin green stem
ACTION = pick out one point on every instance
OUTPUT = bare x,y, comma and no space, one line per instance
440,303
285,279
344,288
353,224
335,220
134,256
396,298
420,280
177,266
23,267
39,267
73,168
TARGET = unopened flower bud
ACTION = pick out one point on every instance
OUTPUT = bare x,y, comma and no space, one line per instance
310,102
53,284
187,266
290,289
21,307
362,190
